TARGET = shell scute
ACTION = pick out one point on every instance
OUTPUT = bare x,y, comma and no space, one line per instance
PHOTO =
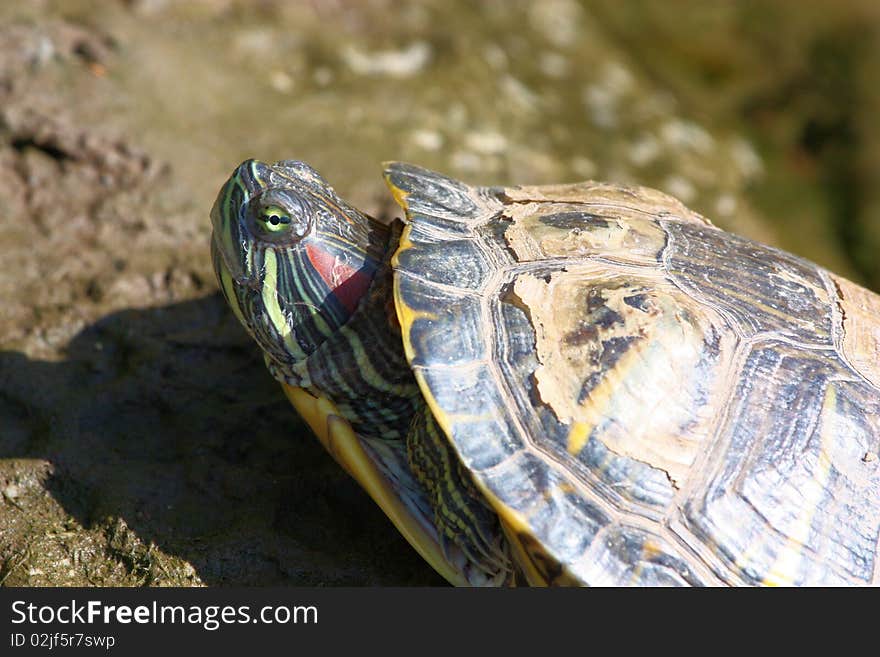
762,288
787,496
668,403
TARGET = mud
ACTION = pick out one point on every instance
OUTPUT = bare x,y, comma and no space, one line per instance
141,440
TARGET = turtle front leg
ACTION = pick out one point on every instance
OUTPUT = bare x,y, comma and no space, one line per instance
468,526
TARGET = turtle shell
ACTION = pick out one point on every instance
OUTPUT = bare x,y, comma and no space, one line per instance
642,397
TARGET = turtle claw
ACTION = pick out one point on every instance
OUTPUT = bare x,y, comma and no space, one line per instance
477,571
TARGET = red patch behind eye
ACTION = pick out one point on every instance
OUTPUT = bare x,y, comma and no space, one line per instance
349,285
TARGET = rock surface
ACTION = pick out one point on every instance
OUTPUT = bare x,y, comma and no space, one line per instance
141,440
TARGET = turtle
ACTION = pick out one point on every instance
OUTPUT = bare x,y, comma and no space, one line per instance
582,384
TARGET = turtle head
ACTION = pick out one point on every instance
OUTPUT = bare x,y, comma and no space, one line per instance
292,258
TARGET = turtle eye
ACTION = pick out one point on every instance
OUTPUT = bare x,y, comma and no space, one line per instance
278,216
273,219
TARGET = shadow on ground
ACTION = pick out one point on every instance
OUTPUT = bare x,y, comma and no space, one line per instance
171,451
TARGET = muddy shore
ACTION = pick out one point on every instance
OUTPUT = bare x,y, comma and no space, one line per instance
142,442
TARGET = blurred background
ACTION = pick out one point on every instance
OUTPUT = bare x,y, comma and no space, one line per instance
141,441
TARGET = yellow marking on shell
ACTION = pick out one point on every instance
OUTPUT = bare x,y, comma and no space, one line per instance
404,243
784,570
400,195
340,440
649,550
567,488
599,405
407,316
554,490
578,437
